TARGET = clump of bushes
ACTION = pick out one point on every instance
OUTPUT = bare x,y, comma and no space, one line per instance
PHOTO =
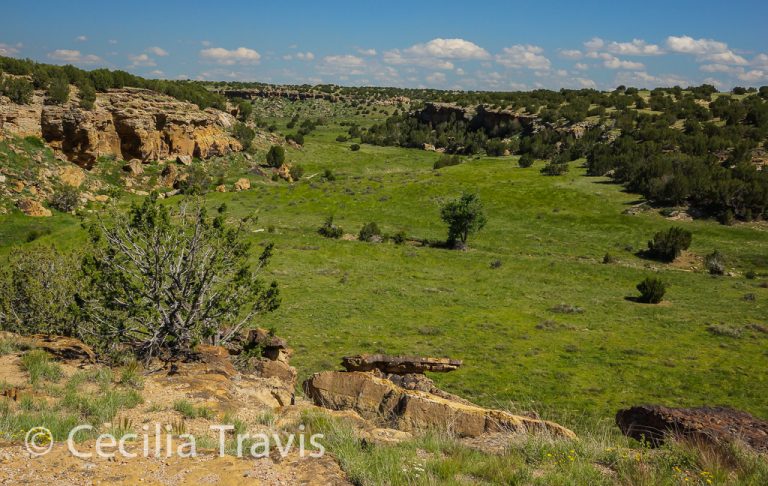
354,147
329,229
652,290
19,90
446,161
668,245
715,263
463,216
608,259
555,168
328,175
244,134
369,232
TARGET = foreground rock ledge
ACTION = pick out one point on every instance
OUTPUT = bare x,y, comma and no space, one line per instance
398,365
710,424
375,398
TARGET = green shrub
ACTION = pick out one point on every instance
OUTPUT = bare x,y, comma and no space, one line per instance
87,94
555,168
667,245
525,161
341,138
39,366
330,230
652,290
446,161
37,291
58,90
328,175
297,172
275,156
369,232
751,275
715,263
244,134
19,90
66,199
197,183
354,147
298,138
399,238
608,258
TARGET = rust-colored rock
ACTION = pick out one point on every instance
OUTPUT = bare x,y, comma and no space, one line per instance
72,176
242,184
399,365
267,368
284,172
30,207
412,410
711,424
63,348
184,159
134,167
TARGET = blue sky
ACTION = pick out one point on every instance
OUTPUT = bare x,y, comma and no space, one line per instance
491,45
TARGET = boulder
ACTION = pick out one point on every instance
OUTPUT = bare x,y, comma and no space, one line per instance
30,207
18,187
653,423
134,167
72,176
284,172
398,364
184,159
376,398
242,184
170,175
267,368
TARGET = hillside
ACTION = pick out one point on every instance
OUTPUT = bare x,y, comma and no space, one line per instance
540,306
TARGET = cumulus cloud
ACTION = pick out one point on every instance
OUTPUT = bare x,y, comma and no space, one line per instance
571,53
754,75
585,83
613,62
81,38
637,47
437,53
436,78
642,79
705,49
581,66
227,57
71,56
523,56
305,56
141,60
158,51
594,44
721,68
8,50
367,52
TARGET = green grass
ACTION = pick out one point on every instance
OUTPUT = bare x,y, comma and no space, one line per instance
188,410
39,366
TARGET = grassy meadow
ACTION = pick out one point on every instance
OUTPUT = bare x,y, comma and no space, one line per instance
546,237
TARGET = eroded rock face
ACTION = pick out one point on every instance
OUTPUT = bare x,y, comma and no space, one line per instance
127,123
398,364
413,410
33,208
712,424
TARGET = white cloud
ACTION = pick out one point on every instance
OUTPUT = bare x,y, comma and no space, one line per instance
8,50
581,66
141,60
571,53
158,51
241,55
613,62
437,53
305,56
585,83
721,68
436,78
73,57
112,41
460,72
347,60
642,79
754,75
594,44
637,47
760,60
81,38
157,72
367,52
705,49
523,56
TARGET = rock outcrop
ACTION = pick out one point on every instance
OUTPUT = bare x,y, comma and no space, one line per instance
477,118
376,398
398,364
653,423
33,208
127,123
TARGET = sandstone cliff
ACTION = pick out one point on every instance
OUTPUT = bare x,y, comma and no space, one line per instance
128,123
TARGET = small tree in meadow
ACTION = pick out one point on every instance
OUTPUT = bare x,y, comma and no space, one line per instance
275,156
668,245
463,216
652,290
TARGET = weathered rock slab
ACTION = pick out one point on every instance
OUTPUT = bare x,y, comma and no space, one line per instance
713,424
399,365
